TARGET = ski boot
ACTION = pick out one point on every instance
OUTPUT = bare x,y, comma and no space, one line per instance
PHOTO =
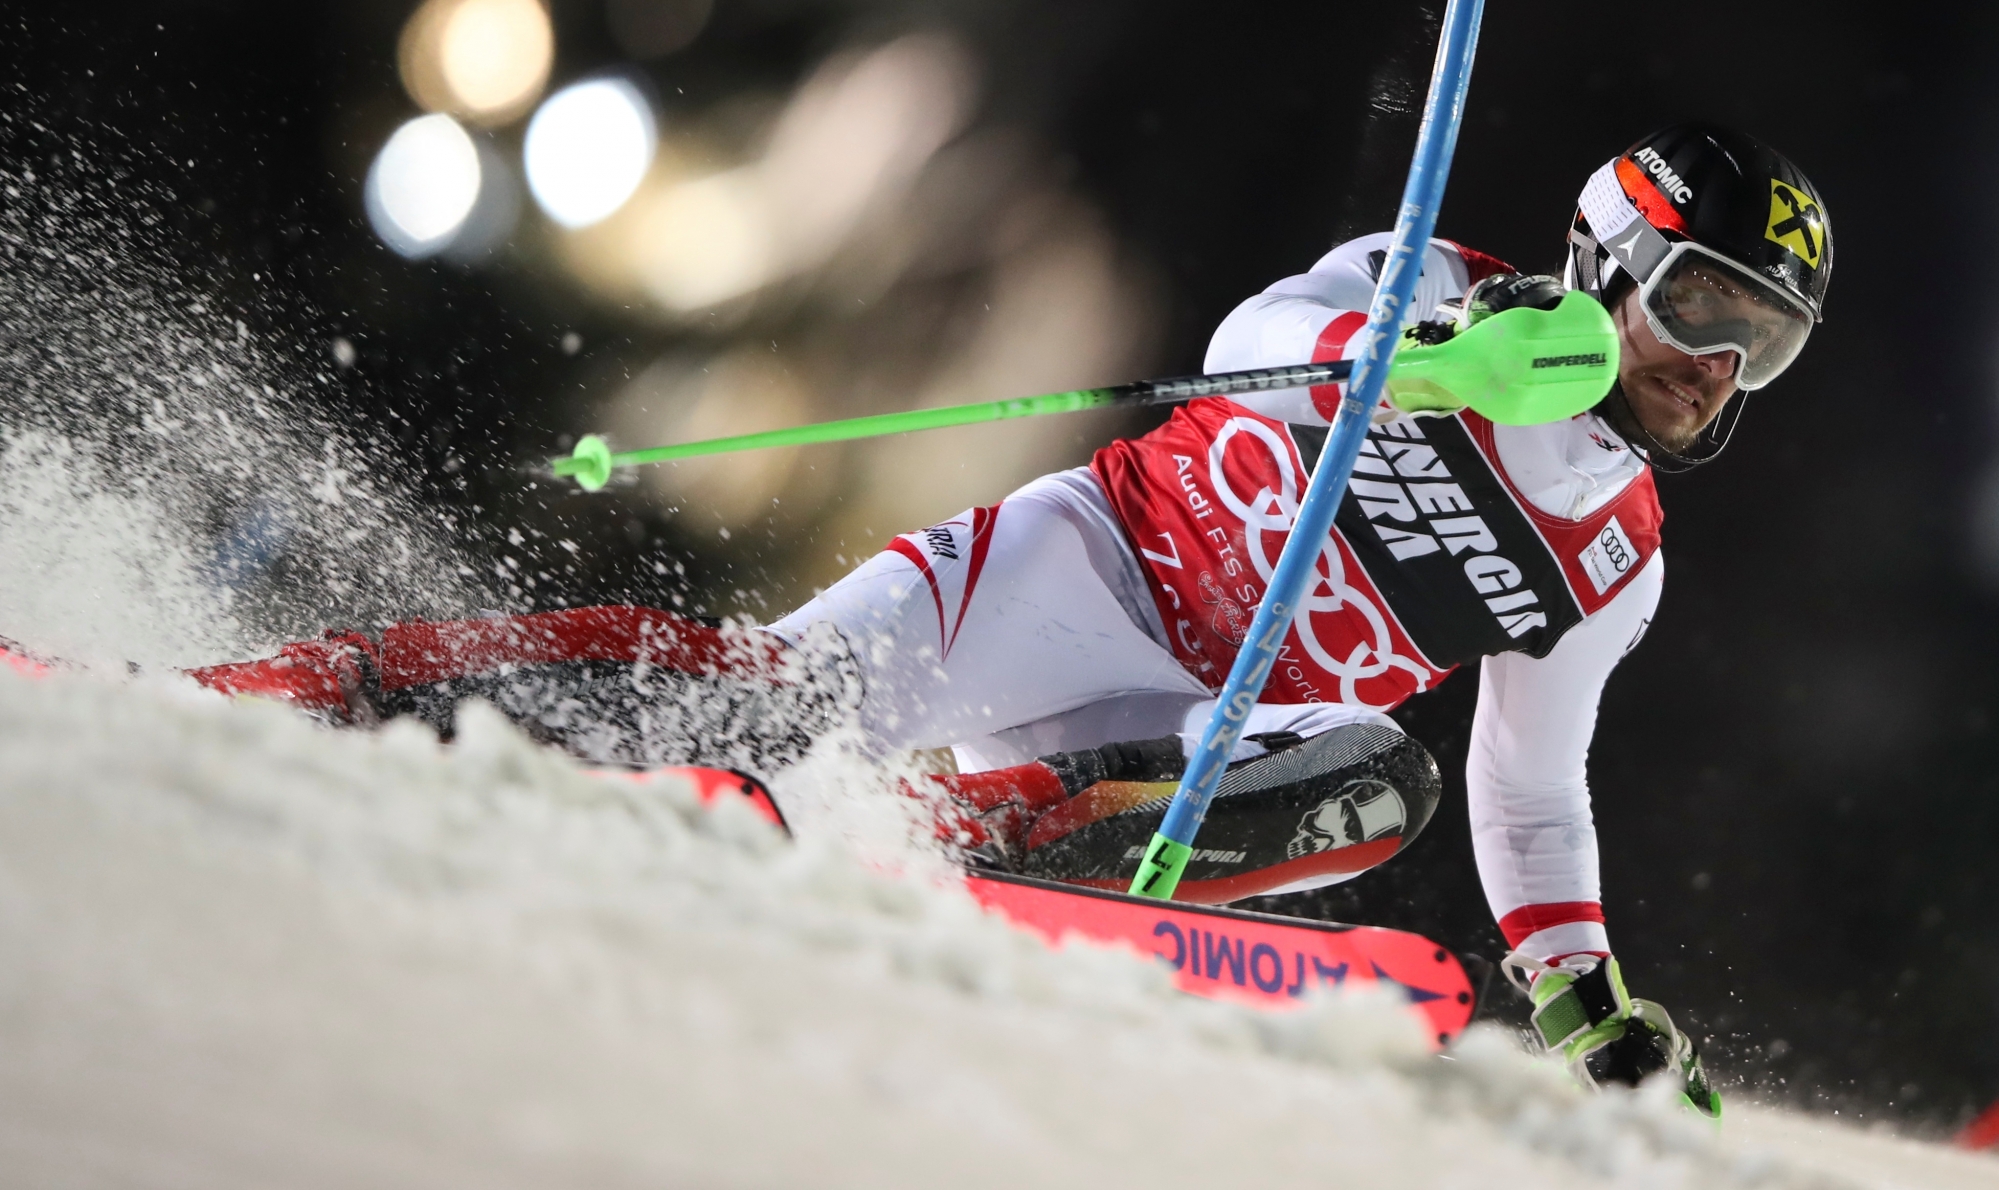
1583,1012
1304,814
988,815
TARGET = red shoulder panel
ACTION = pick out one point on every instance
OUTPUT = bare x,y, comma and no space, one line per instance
1478,265
1600,552
1332,345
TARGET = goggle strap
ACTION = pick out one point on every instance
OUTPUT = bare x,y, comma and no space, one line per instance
1639,248
1617,225
1588,278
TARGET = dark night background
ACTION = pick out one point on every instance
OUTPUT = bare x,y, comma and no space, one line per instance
1796,779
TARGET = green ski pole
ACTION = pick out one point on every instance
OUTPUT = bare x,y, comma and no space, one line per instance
593,461
1519,367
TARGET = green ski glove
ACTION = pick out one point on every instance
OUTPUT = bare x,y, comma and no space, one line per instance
1583,1012
1438,367
1508,291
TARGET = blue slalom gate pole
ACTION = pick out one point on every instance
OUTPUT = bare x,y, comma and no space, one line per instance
1166,858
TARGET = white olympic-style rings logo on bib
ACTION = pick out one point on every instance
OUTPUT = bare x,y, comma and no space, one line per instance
1275,512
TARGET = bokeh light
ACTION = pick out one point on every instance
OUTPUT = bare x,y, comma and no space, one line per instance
705,242
694,395
483,60
844,151
423,185
588,147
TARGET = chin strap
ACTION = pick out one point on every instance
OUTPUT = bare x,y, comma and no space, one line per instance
1583,1012
1615,408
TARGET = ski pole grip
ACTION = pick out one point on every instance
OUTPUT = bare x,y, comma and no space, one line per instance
1160,871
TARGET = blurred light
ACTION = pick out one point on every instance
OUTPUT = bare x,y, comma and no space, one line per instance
655,28
846,148
1054,308
423,185
587,150
485,60
707,241
857,134
496,211
688,397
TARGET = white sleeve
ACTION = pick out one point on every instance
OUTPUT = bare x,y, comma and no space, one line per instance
1284,324
1527,782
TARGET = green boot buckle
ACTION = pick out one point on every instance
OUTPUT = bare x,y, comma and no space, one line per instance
1578,1014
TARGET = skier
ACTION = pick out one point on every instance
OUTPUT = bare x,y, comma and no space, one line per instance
1067,642
1107,604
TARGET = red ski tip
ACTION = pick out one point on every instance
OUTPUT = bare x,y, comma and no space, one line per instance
20,664
1982,1132
715,786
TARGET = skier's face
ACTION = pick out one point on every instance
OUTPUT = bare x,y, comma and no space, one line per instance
1674,395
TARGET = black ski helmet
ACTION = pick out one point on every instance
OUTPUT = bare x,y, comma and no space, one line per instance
1729,194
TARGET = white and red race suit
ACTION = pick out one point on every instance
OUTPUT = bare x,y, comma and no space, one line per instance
1108,603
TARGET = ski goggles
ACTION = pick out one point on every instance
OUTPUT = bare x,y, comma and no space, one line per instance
1701,302
1695,298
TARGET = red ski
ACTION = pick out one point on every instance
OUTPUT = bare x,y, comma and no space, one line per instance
1230,954
1259,959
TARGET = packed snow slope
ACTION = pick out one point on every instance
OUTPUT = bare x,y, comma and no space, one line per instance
240,949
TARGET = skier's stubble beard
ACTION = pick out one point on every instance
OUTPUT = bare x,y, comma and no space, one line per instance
1672,394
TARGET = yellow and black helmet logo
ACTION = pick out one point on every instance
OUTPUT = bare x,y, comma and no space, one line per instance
1796,223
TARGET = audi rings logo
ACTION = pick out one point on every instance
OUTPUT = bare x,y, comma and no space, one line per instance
1608,557
1267,517
1613,548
